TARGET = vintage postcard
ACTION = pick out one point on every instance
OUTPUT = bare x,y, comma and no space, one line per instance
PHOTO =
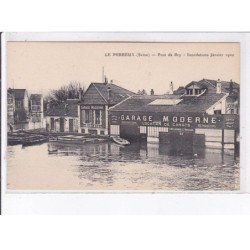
122,116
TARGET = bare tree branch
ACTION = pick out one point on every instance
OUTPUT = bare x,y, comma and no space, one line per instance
58,96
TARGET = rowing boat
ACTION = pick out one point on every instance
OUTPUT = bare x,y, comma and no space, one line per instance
34,140
16,138
76,139
14,141
120,140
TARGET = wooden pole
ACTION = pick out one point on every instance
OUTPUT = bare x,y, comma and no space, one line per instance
223,138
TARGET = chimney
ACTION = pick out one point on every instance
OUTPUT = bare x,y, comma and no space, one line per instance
231,88
109,93
152,92
80,94
105,80
218,87
171,88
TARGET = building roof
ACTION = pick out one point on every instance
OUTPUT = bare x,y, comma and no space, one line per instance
211,85
35,97
192,104
68,109
18,93
97,93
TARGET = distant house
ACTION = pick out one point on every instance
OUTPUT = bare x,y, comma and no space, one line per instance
230,91
96,101
63,117
36,111
21,107
21,99
10,109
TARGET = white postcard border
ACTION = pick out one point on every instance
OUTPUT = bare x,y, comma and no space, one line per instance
127,202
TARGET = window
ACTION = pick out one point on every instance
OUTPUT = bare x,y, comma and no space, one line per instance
35,108
189,91
19,104
36,102
197,91
217,112
82,116
36,118
231,111
87,116
98,117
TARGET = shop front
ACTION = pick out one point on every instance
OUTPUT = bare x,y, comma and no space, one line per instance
176,129
93,119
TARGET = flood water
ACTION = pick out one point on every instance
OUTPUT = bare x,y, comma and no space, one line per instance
108,166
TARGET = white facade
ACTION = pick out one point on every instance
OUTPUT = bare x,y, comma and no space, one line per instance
37,119
70,124
218,106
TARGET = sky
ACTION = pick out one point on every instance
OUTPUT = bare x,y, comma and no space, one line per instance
42,66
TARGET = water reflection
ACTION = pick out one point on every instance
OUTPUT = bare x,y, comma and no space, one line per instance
108,166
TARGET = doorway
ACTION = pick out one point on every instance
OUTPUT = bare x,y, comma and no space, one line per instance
61,124
177,142
52,123
130,132
71,125
181,142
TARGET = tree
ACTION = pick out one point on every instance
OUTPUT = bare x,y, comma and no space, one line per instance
71,91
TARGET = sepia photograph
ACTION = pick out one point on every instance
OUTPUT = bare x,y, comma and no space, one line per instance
123,116
124,124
